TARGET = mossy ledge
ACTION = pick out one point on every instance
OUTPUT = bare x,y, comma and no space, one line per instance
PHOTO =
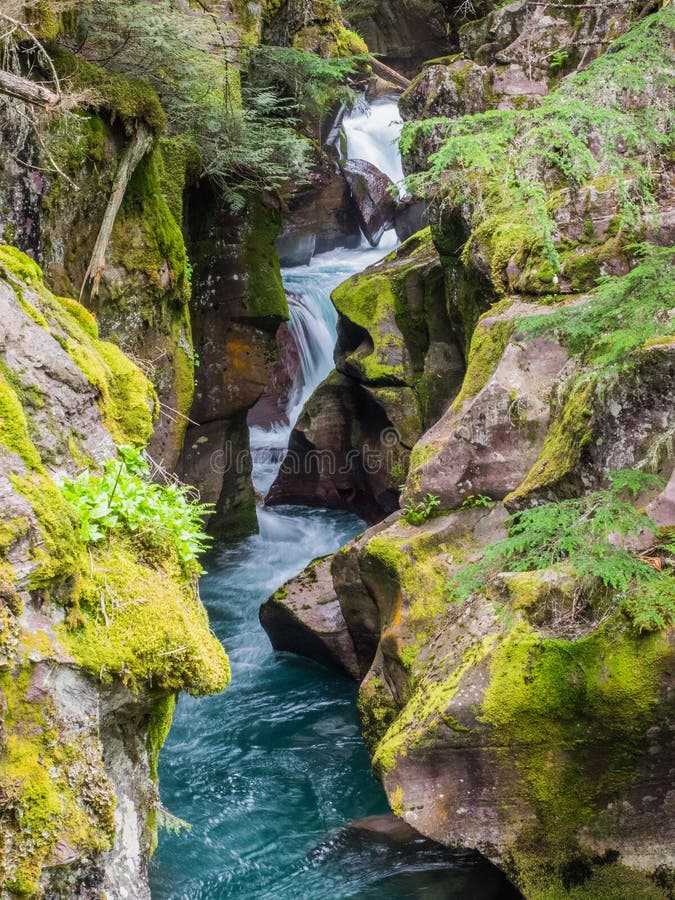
119,619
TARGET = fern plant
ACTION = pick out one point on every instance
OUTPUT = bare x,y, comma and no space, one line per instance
418,513
502,162
123,498
585,536
621,314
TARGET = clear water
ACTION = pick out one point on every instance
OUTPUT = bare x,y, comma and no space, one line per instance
269,771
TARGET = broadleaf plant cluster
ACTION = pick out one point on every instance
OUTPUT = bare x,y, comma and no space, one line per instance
123,498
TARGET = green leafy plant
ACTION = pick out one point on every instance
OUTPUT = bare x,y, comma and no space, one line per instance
418,513
585,536
477,500
242,107
122,497
558,60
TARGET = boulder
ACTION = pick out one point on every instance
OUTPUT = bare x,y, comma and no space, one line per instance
304,617
372,198
319,217
495,429
397,367
403,34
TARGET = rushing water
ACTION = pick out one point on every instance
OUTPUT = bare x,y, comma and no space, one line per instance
266,772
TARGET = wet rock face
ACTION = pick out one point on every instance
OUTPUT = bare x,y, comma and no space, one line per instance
405,33
304,616
238,304
370,191
397,367
319,218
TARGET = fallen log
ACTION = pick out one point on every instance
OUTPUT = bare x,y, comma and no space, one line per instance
389,74
28,91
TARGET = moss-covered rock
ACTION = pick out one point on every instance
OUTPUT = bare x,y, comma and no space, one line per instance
91,636
398,367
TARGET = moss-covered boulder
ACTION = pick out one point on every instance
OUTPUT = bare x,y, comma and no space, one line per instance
397,367
96,641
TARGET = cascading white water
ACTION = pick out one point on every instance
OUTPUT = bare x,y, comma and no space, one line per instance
372,134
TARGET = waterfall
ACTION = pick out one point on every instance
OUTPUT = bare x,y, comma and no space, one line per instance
372,134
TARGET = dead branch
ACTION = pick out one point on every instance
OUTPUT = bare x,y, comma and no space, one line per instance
21,26
28,91
133,154
389,74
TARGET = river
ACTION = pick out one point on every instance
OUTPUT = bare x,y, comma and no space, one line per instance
267,771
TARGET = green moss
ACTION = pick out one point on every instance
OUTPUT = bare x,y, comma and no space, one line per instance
126,399
349,43
82,316
180,161
265,296
146,236
487,347
154,630
567,438
161,717
124,98
40,786
15,263
571,718
377,299
58,556
11,530
426,708
14,426
377,711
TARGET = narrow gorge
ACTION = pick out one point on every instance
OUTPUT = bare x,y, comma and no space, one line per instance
337,503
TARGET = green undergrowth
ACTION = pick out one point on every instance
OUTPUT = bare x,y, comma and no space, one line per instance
622,314
123,497
508,163
587,536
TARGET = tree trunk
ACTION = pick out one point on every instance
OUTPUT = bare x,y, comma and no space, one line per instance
133,154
